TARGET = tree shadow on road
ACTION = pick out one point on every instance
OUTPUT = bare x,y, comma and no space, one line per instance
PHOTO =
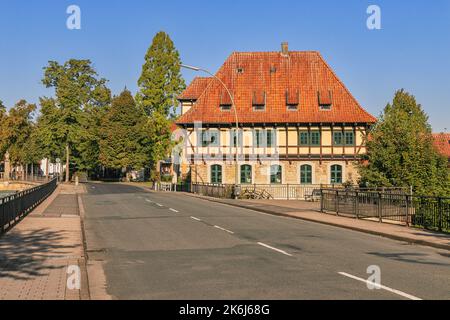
29,254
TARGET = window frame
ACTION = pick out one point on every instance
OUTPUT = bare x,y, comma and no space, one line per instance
335,174
216,174
246,171
341,134
309,138
346,133
233,139
205,143
308,174
279,172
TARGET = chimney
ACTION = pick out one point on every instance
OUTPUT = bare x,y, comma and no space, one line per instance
285,48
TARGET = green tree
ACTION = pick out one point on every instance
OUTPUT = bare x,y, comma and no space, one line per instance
159,85
19,128
120,132
160,82
78,91
401,151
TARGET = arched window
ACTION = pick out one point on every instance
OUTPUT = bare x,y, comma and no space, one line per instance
306,174
246,174
336,174
275,174
216,173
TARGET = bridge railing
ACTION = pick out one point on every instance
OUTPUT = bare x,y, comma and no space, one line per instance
16,206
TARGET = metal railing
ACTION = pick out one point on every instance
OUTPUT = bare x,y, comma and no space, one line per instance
276,191
15,206
431,213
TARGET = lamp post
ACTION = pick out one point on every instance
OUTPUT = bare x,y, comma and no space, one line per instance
197,69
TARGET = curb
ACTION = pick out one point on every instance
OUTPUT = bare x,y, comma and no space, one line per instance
372,232
86,293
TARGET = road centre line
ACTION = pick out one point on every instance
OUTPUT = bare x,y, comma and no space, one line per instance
275,249
223,229
173,210
149,201
398,292
196,219
159,205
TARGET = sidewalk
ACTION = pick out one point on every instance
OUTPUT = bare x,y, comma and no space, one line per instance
310,211
36,253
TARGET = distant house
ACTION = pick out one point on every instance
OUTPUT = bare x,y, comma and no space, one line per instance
442,144
298,123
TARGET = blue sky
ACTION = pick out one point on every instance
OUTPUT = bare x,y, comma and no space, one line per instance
411,51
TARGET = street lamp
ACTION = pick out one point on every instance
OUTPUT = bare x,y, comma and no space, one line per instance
197,69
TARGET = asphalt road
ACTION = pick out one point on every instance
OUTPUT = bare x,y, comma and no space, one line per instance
174,246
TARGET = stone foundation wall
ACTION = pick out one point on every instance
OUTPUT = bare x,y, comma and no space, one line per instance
290,172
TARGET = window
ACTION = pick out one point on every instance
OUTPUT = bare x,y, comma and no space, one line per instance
311,138
209,138
216,173
264,138
306,174
303,139
275,174
292,107
259,107
270,134
337,138
346,138
233,138
246,174
258,138
349,138
314,138
225,107
336,174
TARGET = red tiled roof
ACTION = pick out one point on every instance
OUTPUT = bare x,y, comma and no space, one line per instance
274,74
195,89
442,143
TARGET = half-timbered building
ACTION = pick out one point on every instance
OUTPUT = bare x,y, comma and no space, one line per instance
298,123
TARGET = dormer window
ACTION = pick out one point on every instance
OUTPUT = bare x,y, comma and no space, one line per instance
325,99
225,101
292,99
259,100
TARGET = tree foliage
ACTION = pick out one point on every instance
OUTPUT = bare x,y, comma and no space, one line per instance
72,114
401,151
159,85
120,134
160,81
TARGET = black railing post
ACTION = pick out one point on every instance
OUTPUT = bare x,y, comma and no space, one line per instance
337,202
407,211
321,200
440,208
356,204
380,214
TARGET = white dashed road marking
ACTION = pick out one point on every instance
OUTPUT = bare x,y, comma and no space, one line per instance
196,219
159,205
400,293
223,229
275,249
149,201
173,210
